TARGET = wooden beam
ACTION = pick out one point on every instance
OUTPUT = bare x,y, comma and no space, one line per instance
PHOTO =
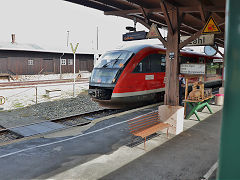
145,15
143,23
218,51
131,12
193,9
187,41
190,9
202,13
221,24
167,19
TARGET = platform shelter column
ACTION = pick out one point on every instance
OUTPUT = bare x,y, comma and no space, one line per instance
172,58
230,144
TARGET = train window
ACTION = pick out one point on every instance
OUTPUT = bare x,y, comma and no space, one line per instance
186,59
213,69
151,64
201,60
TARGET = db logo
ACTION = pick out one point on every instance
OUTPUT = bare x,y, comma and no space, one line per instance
2,100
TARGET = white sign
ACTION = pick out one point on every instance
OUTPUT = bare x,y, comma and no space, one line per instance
192,68
217,60
149,77
203,40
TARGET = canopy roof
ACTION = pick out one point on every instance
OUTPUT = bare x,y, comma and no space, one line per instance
193,14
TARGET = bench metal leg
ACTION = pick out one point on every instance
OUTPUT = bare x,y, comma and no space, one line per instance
167,132
209,108
144,143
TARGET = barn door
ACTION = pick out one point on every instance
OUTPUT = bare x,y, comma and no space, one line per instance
3,65
48,66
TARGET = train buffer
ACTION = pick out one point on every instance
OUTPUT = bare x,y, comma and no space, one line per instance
147,125
196,105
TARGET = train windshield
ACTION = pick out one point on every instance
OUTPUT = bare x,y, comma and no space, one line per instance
113,59
105,75
109,66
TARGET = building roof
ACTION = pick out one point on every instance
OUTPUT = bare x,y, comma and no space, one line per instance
8,46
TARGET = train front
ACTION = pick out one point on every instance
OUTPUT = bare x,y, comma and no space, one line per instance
105,75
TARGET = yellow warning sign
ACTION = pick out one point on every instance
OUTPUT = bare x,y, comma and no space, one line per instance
153,32
211,27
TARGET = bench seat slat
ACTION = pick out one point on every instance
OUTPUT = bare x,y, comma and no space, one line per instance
146,132
144,125
132,121
152,120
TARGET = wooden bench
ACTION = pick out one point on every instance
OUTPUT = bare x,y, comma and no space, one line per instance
146,125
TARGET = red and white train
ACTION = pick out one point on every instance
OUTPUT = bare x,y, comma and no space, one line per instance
134,75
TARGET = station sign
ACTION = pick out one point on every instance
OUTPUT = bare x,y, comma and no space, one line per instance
138,35
203,40
192,69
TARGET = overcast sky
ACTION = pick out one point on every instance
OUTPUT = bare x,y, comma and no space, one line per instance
46,22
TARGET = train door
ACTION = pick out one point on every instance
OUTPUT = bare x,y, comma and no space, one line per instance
150,72
157,67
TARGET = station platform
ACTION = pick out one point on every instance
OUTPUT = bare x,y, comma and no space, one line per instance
187,156
100,151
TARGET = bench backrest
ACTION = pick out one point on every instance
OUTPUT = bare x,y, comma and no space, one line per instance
143,121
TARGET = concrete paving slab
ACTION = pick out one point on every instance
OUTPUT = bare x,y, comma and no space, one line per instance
39,128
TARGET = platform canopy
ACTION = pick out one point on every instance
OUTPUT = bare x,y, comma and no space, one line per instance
193,14
180,17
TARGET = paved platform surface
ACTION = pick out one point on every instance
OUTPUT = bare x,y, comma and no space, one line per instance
187,156
100,151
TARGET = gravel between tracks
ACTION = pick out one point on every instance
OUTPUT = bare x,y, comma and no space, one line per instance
48,110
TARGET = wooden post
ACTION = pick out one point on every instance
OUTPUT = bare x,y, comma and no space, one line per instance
186,94
172,65
36,94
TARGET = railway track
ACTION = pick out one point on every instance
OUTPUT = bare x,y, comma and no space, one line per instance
7,134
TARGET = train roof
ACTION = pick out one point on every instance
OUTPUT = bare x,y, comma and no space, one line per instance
136,48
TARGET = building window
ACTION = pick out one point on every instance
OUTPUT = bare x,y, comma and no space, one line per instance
30,62
63,61
70,61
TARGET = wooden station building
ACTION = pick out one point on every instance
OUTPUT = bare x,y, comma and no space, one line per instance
30,59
